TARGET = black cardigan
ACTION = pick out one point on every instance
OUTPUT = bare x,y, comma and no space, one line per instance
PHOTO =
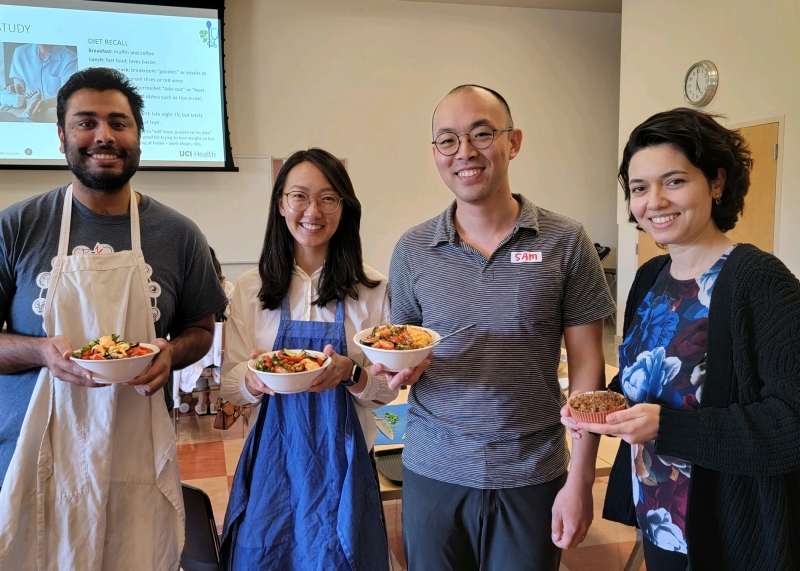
744,440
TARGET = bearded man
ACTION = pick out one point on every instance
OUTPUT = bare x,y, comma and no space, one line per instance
89,471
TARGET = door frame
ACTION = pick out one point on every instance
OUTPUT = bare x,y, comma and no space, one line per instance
781,121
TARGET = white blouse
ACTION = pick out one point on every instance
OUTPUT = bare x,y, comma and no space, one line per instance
251,327
229,289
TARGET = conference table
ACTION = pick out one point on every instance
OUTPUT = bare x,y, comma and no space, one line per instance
605,454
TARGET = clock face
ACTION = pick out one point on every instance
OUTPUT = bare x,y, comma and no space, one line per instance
697,83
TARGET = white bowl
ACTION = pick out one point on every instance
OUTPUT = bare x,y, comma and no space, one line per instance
119,370
289,383
394,360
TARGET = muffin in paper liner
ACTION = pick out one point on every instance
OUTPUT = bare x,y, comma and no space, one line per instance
596,417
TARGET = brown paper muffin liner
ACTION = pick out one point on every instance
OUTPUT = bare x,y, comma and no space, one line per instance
593,417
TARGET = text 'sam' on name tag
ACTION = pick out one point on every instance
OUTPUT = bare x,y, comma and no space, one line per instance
525,257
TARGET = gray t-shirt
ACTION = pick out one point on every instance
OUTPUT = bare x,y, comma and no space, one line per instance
183,284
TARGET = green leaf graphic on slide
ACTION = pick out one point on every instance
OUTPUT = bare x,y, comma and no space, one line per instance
204,35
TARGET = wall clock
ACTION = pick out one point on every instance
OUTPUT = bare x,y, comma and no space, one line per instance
700,83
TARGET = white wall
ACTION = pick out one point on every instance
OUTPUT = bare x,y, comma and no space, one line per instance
361,78
756,48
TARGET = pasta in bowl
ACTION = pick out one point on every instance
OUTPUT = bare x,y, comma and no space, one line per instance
289,371
397,347
113,360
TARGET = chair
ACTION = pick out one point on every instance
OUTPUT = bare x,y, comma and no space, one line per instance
602,251
201,548
610,273
636,557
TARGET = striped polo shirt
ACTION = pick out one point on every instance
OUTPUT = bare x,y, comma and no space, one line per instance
486,412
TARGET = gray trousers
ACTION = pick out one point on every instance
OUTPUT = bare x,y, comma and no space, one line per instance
447,527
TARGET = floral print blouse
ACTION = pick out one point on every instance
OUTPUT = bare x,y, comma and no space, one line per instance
663,361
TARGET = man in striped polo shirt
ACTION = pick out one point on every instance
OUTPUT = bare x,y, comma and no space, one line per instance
485,480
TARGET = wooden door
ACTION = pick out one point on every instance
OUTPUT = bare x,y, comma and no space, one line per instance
647,248
756,225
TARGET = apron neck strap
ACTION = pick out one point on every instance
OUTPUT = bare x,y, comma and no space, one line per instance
340,311
136,236
66,222
286,310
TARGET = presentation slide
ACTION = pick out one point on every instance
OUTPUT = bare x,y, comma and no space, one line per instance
173,56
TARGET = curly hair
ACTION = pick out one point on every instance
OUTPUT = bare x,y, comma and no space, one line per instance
707,145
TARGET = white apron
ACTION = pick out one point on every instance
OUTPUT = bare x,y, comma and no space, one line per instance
93,484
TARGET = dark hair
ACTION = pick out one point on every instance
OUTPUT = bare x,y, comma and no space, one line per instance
220,315
708,145
100,79
344,267
216,264
473,86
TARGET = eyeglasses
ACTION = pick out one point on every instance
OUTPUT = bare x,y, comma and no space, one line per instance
480,137
300,201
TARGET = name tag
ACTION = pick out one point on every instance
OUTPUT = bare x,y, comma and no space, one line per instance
523,257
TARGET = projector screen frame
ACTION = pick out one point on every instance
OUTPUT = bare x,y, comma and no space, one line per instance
229,166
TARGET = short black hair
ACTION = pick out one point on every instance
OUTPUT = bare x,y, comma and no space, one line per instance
492,92
100,79
707,145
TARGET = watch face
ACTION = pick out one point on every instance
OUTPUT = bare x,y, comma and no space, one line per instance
697,83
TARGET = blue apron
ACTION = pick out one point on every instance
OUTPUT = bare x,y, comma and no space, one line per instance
304,497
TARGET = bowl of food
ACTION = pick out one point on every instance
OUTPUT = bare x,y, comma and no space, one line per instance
397,347
594,406
289,370
111,359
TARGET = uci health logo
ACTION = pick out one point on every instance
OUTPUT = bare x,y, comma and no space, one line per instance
210,35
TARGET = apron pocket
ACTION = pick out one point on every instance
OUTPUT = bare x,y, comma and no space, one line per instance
69,464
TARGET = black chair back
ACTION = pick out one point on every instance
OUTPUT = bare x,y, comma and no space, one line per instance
602,251
201,548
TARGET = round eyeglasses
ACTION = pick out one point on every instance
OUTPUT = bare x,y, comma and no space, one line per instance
480,137
300,201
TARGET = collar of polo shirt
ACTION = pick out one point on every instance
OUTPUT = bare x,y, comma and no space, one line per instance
446,228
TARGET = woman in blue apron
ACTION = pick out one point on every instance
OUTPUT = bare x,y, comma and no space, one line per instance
304,496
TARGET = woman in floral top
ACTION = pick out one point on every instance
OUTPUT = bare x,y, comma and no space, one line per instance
710,392
663,361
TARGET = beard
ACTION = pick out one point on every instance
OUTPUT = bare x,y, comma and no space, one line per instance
102,180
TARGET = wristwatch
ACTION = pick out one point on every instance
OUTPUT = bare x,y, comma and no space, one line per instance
355,374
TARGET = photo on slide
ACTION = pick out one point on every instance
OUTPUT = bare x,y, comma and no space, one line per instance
32,76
